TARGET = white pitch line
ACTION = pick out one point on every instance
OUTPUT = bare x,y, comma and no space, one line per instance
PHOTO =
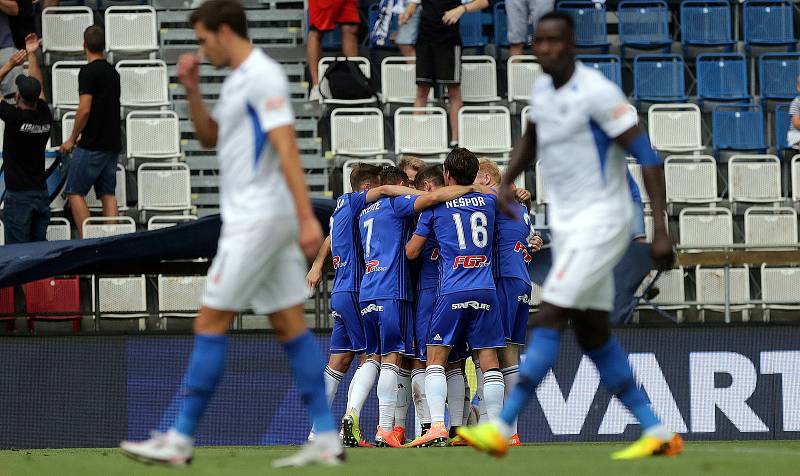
745,450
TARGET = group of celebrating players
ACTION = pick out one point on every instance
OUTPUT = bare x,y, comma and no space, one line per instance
433,265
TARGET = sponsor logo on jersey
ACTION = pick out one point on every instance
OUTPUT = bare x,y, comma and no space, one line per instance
338,263
467,261
371,308
372,266
524,298
435,254
472,304
437,337
520,248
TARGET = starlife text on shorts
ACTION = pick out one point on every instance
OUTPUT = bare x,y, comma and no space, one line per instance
472,304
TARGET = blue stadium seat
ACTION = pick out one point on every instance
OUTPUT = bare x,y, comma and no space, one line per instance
659,78
768,23
737,127
722,77
471,27
372,18
500,25
643,24
706,23
777,75
590,23
782,121
609,65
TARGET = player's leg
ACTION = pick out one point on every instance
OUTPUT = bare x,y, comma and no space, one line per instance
390,313
418,395
403,399
454,374
509,366
425,304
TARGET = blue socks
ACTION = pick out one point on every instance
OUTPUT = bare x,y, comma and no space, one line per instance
541,355
308,365
616,374
205,369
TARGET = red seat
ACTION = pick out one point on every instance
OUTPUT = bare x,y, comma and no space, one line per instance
7,307
59,297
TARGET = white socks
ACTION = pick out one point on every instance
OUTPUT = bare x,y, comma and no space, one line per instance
436,392
455,396
510,378
479,392
418,394
362,383
387,396
332,380
493,392
403,397
467,401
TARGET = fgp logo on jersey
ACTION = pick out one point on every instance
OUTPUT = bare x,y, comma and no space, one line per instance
520,248
338,263
477,261
472,304
372,266
371,308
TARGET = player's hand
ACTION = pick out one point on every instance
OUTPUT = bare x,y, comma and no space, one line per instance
451,16
32,43
407,13
310,237
662,251
536,242
523,196
17,59
189,71
313,277
506,196
67,147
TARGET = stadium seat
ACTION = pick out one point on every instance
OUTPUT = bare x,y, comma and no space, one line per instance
609,65
768,23
67,122
672,292
485,129
159,222
478,79
143,83
675,127
120,191
470,26
7,306
770,226
659,78
706,227
541,190
536,296
348,166
779,285
101,227
59,298
63,27
523,119
782,124
502,165
796,178
420,131
59,229
2,234
722,77
164,187
710,290
522,71
373,12
777,75
691,179
649,224
500,25
130,29
152,135
357,132
643,24
590,23
754,179
179,296
737,127
322,67
706,24
635,170
64,77
122,298
398,80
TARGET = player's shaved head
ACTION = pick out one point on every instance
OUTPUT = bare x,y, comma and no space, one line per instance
432,175
461,165
391,175
364,176
488,173
554,45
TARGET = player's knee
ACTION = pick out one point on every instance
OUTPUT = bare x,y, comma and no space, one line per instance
591,331
349,29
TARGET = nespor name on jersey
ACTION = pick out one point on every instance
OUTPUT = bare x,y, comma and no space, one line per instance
466,202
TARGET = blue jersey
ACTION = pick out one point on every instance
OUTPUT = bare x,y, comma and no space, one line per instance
345,242
511,251
636,195
385,228
428,266
464,229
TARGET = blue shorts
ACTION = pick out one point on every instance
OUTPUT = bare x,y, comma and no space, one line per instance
514,296
471,317
348,330
385,322
426,300
87,168
637,222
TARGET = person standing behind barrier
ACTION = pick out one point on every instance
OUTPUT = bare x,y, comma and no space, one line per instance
521,14
27,130
95,141
323,17
793,134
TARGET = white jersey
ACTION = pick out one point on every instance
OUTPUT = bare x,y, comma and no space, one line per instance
585,181
254,100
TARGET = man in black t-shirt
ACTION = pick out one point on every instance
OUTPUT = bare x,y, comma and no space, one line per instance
439,51
27,130
95,141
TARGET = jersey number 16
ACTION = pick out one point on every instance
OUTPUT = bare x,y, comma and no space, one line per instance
477,223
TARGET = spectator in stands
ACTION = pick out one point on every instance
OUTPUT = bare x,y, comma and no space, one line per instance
793,134
27,130
23,24
8,9
521,14
408,29
95,140
323,16
411,166
439,51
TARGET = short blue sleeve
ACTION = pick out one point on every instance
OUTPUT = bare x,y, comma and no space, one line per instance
425,224
404,205
357,202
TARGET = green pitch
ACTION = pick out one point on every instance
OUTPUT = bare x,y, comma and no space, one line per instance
729,459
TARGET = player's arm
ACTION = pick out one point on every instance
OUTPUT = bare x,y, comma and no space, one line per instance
423,231
31,45
414,246
314,275
444,194
390,191
521,156
205,127
15,60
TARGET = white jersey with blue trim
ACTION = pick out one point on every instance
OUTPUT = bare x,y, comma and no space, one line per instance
254,100
583,175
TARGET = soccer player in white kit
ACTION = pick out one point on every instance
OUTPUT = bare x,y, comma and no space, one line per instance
268,226
576,114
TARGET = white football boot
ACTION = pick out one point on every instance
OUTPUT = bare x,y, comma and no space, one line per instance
325,450
171,449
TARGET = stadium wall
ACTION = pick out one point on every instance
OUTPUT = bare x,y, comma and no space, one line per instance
712,383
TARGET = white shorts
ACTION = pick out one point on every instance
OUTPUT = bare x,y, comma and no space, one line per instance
582,277
259,266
